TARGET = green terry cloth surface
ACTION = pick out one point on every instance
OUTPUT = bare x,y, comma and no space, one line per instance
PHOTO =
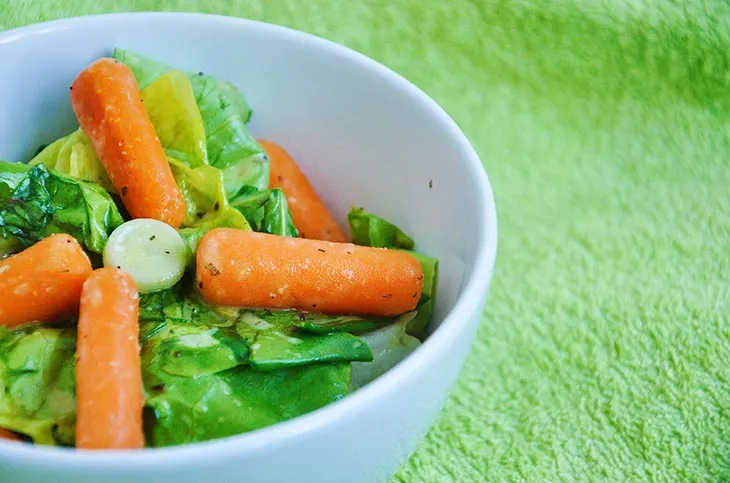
604,354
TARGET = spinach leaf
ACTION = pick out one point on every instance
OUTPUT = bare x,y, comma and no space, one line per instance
225,114
37,385
44,202
369,230
75,156
191,409
266,211
390,345
276,342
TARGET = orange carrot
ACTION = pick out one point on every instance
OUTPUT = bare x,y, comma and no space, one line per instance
108,377
310,215
106,99
247,269
9,435
43,282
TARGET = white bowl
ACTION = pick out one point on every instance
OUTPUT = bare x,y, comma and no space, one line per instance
366,137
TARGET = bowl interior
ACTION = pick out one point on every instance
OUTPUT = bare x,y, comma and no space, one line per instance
363,139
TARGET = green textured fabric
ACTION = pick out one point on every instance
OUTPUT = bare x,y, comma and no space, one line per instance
605,351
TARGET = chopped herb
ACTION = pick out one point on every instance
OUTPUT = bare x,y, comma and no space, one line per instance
212,269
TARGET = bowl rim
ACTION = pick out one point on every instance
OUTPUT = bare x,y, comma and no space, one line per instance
468,303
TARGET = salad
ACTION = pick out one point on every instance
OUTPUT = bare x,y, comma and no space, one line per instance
166,278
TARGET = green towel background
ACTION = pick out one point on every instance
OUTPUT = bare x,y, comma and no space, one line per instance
604,354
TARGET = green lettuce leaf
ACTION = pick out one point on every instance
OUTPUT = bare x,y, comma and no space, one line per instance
171,105
266,211
277,343
369,230
75,156
390,345
372,231
44,202
205,200
273,337
191,235
37,385
191,350
191,409
327,324
225,114
425,306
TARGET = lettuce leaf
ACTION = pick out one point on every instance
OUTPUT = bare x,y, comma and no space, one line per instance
225,113
369,230
75,156
266,211
277,343
191,409
273,337
390,345
43,202
170,103
37,385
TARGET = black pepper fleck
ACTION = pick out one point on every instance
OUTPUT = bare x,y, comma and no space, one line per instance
200,285
153,237
124,191
314,306
167,252
216,206
200,73
430,183
321,250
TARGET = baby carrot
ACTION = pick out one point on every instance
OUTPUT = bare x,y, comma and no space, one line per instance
107,103
43,282
257,270
9,435
310,215
108,377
